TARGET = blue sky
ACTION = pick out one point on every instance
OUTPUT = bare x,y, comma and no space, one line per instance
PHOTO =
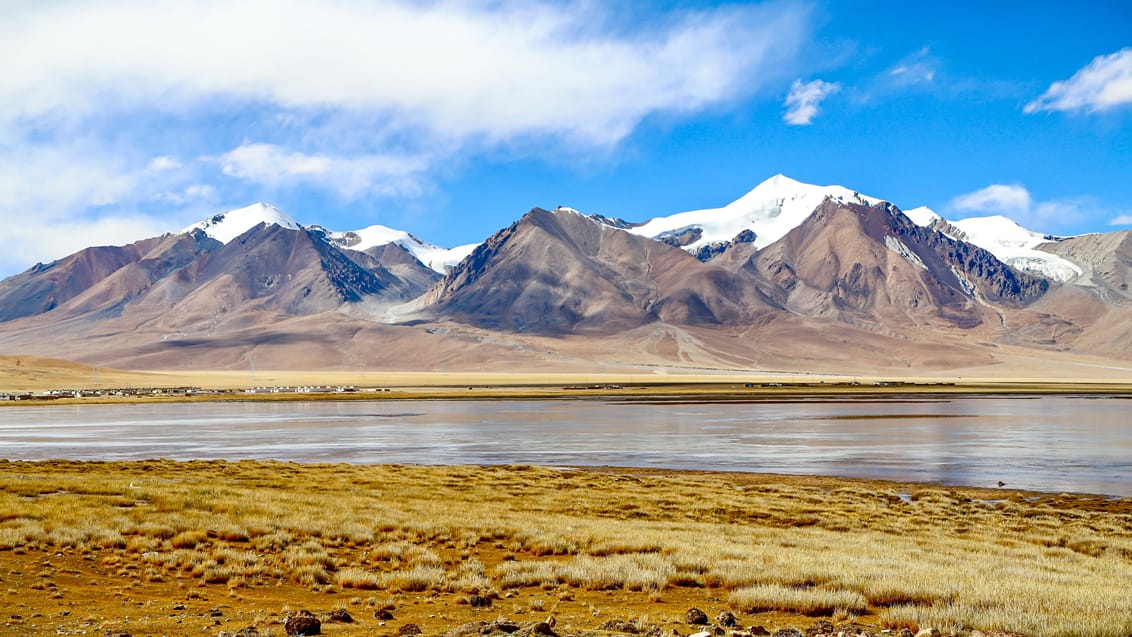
121,120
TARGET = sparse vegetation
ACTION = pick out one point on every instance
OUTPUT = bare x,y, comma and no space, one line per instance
558,540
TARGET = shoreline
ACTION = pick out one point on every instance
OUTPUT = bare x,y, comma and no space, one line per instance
1099,502
616,388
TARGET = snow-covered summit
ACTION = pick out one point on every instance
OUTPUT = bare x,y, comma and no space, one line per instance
1006,240
435,257
922,216
226,226
772,209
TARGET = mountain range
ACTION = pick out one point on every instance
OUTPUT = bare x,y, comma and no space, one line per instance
789,277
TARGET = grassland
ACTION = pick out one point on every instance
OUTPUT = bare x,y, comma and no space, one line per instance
160,547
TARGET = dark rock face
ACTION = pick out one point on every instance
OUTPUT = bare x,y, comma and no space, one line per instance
696,617
682,237
726,618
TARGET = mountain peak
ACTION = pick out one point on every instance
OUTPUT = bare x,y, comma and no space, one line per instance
773,208
922,216
781,182
226,226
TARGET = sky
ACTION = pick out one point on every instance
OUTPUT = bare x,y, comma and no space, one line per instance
122,119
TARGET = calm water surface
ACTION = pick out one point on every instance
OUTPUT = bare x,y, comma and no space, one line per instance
1076,444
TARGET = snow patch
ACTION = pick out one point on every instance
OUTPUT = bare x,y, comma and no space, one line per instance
899,247
434,257
1016,246
964,282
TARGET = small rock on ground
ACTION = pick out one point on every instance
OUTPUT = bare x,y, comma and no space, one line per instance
695,616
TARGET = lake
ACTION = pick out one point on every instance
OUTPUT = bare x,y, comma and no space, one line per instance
1050,443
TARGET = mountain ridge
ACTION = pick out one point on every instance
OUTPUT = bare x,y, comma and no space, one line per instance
854,273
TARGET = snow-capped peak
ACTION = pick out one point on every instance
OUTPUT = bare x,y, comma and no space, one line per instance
922,216
772,209
1006,240
435,257
228,225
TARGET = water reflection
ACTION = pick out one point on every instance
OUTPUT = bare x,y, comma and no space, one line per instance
1049,443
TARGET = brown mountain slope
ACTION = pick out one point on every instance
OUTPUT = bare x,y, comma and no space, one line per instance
871,267
45,287
561,272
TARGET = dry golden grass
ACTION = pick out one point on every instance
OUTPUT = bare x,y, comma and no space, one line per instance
559,540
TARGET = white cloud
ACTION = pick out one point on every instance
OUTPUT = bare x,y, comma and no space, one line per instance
269,163
496,69
107,106
163,162
1104,83
803,101
1016,202
349,177
997,198
1122,220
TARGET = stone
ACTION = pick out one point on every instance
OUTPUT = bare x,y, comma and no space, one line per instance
726,618
788,632
382,614
703,633
758,631
471,628
695,616
905,632
823,627
620,626
303,623
339,615
409,629
928,632
479,601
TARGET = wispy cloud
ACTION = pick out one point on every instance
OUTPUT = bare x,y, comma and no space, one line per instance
1104,83
1016,202
804,99
1122,220
918,68
360,99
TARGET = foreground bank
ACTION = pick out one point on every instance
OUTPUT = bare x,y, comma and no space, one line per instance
206,547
